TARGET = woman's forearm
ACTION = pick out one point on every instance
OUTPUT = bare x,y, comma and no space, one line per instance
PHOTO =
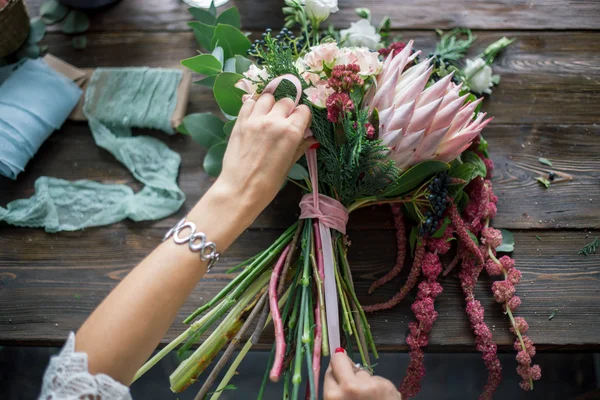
127,326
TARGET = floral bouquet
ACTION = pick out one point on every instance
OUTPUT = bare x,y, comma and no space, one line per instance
393,127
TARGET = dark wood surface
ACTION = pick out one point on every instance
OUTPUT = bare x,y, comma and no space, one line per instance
546,106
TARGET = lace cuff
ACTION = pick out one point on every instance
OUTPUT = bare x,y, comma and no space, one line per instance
67,378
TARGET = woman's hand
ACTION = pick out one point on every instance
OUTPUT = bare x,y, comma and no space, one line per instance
343,382
267,140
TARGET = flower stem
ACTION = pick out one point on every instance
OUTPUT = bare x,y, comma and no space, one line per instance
277,322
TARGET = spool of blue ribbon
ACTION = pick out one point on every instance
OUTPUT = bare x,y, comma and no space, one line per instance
35,100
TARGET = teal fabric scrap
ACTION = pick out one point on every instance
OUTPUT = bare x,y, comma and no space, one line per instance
116,100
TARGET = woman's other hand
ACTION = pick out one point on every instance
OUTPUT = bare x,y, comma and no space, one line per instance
344,382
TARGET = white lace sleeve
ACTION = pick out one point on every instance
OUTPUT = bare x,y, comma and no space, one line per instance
67,378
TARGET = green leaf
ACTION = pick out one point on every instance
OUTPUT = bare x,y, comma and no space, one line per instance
545,161
473,237
231,16
209,81
483,146
231,39
229,65
218,53
37,31
181,129
413,240
543,181
203,33
411,212
552,315
205,129
205,64
52,11
212,9
213,162
28,51
231,386
242,64
298,172
508,242
462,200
470,157
538,237
228,127
415,176
227,95
202,15
76,22
363,12
79,42
442,229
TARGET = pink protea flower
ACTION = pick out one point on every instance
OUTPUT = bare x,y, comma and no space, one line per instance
338,104
345,77
420,124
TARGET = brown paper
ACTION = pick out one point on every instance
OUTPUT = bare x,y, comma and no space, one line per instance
82,78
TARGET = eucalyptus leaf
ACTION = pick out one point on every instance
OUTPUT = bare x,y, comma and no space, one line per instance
205,64
53,11
218,54
79,42
229,98
231,16
298,172
206,129
202,15
231,39
209,81
203,33
545,161
543,181
228,127
213,162
181,129
230,65
37,31
470,157
415,176
242,64
508,242
76,22
212,9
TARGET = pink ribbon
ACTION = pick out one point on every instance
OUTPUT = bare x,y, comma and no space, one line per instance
329,212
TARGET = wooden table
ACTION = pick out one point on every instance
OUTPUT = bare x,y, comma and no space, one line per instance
547,105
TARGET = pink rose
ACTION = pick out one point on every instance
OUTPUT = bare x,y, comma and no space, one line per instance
318,94
319,55
256,73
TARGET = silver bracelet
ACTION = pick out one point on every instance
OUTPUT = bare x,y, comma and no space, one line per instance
208,250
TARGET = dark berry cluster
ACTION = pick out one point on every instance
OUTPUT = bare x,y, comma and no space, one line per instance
285,40
440,63
438,200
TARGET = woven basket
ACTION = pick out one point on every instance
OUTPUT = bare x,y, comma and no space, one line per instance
14,26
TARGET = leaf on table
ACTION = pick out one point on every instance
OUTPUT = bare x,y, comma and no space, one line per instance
552,315
538,237
53,11
590,248
213,162
37,31
76,22
508,242
545,161
543,181
79,42
206,129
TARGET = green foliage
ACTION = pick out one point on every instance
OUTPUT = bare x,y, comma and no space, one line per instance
228,127
590,248
451,46
37,31
363,12
414,177
75,22
543,181
440,232
79,42
206,129
483,146
213,162
52,11
227,95
545,161
203,33
202,15
298,172
231,16
231,39
508,242
205,64
209,81
242,64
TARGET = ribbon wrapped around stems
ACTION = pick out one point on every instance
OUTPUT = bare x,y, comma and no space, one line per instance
330,213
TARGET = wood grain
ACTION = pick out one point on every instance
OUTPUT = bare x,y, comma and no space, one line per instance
172,15
524,203
52,290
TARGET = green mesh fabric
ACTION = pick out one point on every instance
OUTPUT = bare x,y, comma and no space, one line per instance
116,100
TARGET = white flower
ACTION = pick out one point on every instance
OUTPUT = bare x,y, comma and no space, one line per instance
249,84
361,34
256,73
318,95
480,78
320,9
323,54
367,60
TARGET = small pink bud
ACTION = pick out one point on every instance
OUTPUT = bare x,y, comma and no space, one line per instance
513,303
507,263
523,358
536,372
521,325
514,276
493,268
503,291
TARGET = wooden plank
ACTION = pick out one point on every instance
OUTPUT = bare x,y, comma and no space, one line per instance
172,15
524,203
50,283
547,77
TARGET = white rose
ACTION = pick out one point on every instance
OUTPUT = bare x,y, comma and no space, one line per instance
367,60
362,34
480,78
320,9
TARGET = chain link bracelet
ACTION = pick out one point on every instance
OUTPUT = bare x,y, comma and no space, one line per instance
196,240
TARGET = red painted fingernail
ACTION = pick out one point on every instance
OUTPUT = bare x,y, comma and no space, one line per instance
315,145
340,350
